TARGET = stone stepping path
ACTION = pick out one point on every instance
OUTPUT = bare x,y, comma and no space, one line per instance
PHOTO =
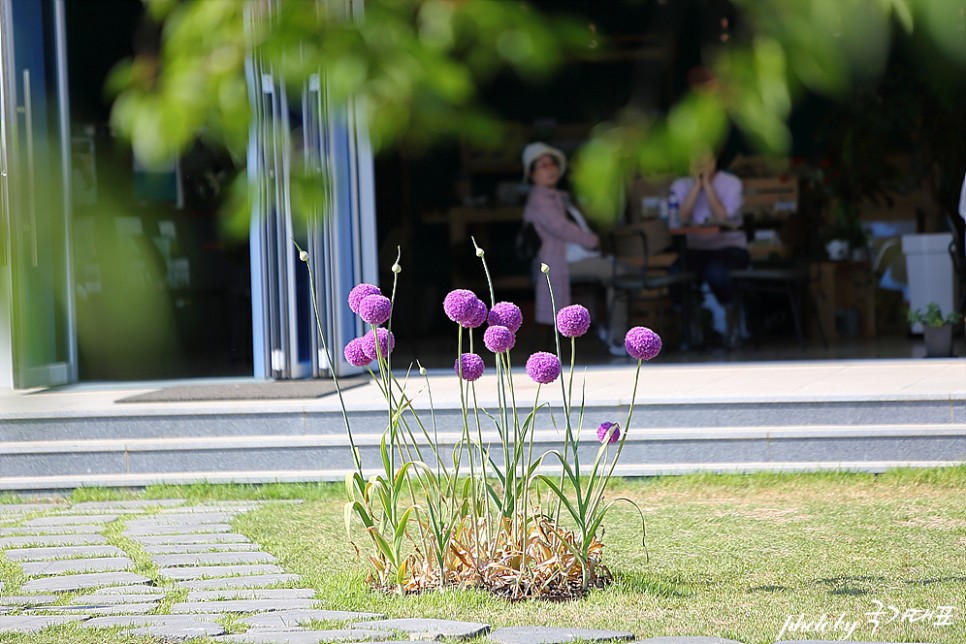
65,552
65,583
245,581
49,530
225,575
59,567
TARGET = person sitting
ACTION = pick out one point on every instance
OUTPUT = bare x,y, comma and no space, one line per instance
567,244
711,197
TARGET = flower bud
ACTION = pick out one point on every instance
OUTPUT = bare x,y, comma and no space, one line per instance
544,268
397,269
304,256
479,252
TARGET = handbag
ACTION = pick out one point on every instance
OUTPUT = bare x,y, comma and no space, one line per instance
527,242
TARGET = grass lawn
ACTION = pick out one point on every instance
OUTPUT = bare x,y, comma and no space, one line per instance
736,556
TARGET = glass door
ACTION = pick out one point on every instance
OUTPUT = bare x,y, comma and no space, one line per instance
302,137
35,255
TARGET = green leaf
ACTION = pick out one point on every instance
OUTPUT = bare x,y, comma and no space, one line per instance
383,546
401,528
550,483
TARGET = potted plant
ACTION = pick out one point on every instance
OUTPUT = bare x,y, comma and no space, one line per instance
937,330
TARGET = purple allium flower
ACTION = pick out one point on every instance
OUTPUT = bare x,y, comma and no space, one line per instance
506,314
642,343
472,365
460,305
479,317
387,342
604,428
360,291
573,321
499,339
543,367
355,353
375,309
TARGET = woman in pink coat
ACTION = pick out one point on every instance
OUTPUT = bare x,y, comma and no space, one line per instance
567,245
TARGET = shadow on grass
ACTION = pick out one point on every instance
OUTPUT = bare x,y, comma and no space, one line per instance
854,586
937,580
768,589
636,582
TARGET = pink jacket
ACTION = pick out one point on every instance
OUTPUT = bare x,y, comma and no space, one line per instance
547,209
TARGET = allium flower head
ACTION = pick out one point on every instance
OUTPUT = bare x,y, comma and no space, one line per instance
355,353
472,366
478,318
543,367
573,321
387,342
606,428
375,309
499,339
642,343
506,314
360,291
460,305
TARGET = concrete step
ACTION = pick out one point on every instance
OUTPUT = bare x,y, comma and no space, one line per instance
259,458
287,419
866,415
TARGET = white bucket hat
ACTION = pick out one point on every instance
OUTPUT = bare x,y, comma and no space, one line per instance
536,150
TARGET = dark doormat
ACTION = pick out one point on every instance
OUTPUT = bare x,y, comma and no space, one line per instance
275,390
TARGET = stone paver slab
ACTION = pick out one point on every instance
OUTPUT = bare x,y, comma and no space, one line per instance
127,598
133,621
186,631
237,507
198,572
27,600
33,530
73,519
34,623
212,559
26,508
125,506
52,540
99,609
177,528
291,619
186,539
61,566
553,635
245,581
191,518
431,628
128,590
62,552
79,582
199,547
242,605
304,637
251,593
689,639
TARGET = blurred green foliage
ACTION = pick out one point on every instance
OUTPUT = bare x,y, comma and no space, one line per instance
413,67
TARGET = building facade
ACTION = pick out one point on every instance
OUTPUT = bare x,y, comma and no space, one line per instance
112,271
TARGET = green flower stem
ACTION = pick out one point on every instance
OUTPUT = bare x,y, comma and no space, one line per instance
356,459
466,434
620,444
569,435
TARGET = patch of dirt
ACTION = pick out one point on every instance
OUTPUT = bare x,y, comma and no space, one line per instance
774,515
935,523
